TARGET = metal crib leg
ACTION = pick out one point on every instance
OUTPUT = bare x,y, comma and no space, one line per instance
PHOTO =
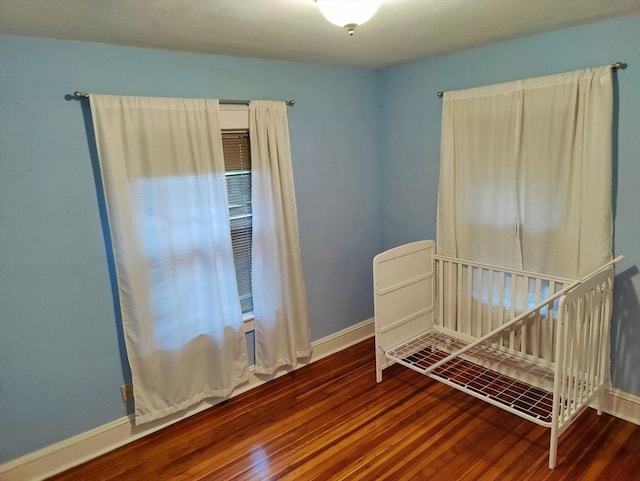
600,402
553,448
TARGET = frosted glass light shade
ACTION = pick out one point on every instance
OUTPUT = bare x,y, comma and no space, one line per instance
348,13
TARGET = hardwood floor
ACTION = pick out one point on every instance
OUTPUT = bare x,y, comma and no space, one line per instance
332,421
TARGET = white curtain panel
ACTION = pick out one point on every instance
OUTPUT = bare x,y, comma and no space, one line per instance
525,176
162,170
279,299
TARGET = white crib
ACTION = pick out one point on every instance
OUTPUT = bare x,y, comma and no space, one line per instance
534,345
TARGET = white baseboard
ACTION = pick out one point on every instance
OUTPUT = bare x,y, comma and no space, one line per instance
78,449
622,405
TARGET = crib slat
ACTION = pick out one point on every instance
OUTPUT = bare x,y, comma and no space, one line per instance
469,300
490,302
583,324
592,342
576,330
524,297
480,291
592,345
513,287
603,357
440,299
451,292
459,299
568,357
564,371
584,354
535,345
595,339
501,281
571,336
547,331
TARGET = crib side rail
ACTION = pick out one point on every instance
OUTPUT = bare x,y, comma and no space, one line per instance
476,299
492,335
582,349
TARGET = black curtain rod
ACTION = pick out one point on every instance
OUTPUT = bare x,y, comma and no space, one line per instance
613,66
290,103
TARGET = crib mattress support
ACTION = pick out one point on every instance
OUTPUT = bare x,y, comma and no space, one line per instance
487,374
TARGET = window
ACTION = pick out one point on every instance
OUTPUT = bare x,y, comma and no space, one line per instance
237,160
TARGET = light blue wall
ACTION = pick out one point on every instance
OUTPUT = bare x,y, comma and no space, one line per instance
411,153
61,361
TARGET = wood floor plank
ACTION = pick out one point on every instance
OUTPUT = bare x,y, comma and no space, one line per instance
331,421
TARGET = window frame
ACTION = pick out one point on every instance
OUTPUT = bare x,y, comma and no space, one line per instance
236,117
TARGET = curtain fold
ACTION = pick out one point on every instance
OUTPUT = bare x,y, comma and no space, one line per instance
525,178
279,299
162,170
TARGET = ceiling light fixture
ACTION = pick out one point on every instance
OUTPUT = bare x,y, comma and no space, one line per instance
348,13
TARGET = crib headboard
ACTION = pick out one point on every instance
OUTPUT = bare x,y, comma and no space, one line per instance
404,295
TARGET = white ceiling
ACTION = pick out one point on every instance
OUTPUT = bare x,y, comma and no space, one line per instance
401,30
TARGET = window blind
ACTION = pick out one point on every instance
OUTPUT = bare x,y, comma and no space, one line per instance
237,159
